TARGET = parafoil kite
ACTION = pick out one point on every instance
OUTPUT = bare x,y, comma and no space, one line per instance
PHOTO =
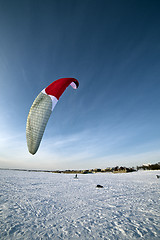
41,110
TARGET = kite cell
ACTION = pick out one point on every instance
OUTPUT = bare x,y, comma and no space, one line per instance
41,110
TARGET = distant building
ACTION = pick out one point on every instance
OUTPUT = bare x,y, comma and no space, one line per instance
120,170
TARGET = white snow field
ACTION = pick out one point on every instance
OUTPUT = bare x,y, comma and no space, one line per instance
37,205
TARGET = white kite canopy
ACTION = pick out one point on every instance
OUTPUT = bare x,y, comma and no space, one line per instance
41,110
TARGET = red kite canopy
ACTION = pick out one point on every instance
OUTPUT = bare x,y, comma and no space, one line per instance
59,86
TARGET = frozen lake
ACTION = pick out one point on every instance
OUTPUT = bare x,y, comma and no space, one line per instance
38,205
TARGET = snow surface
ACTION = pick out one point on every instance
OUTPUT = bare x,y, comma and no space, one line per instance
37,205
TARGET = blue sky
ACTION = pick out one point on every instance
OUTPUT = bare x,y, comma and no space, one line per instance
113,49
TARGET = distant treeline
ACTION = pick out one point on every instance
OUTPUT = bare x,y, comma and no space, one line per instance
98,170
149,167
116,169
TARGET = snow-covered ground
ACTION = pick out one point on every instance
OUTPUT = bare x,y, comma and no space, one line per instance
38,205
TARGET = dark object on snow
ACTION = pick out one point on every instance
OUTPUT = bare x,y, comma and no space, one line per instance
158,176
99,186
76,176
